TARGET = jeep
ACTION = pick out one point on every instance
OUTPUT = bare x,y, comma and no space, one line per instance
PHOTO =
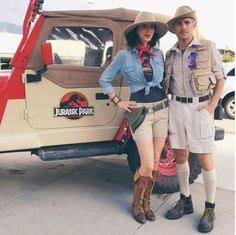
51,103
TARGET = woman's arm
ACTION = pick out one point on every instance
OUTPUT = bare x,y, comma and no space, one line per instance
120,103
105,82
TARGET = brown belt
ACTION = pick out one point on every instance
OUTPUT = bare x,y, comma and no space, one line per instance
157,107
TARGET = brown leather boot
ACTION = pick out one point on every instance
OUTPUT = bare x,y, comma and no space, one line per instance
147,197
146,202
140,184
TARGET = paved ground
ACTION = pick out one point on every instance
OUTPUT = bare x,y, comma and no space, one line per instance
93,196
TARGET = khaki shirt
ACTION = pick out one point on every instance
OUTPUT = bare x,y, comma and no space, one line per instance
180,82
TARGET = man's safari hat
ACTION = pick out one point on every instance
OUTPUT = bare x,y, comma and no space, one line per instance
147,18
181,12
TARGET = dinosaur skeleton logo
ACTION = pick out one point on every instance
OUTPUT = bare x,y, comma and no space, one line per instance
73,105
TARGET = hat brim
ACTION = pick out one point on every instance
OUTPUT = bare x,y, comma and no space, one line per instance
171,22
161,28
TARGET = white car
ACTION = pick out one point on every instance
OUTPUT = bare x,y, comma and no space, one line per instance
9,42
228,95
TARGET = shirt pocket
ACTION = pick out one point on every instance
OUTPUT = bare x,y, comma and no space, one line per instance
158,69
158,61
202,56
204,125
202,59
130,71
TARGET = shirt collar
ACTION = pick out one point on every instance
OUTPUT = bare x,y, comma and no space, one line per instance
195,42
134,50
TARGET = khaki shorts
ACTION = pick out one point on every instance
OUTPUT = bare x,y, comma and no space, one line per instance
189,128
155,124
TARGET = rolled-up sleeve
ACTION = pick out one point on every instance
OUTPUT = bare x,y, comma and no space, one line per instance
109,74
217,66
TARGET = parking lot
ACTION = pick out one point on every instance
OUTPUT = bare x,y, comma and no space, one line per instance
93,196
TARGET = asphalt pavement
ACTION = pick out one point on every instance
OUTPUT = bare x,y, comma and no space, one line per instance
93,196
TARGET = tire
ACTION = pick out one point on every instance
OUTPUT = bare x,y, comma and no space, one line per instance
229,107
168,181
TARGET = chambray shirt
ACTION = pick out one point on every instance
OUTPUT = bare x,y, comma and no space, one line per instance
180,82
127,64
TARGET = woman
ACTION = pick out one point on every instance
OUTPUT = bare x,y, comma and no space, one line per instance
142,65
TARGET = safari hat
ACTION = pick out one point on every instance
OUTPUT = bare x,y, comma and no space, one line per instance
181,12
144,18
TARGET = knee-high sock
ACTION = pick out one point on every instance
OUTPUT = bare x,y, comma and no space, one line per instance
183,177
209,179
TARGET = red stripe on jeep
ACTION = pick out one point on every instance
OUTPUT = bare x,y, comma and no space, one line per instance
12,89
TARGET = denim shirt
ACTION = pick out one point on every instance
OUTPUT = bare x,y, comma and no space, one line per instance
127,64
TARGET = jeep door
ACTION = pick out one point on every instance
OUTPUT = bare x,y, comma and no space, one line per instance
68,94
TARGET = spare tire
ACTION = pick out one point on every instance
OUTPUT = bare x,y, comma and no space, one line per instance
168,181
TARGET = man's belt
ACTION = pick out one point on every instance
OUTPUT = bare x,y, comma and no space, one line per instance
191,99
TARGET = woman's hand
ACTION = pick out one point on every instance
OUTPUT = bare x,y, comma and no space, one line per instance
126,105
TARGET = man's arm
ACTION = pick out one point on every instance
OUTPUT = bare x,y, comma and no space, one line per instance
216,95
218,70
210,107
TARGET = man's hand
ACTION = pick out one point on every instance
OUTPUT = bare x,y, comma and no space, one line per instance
209,107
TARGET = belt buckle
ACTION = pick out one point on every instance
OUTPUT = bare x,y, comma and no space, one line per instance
159,106
162,104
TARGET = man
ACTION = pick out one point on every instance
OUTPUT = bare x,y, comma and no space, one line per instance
195,78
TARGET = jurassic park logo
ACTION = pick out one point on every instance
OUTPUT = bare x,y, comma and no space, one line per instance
73,105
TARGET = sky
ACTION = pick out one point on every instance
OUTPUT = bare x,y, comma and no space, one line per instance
216,19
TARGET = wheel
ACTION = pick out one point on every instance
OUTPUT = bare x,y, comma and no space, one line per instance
229,107
168,181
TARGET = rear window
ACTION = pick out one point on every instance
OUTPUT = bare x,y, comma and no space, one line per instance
82,46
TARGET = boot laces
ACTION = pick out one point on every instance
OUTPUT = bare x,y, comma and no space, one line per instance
179,205
147,196
208,214
139,202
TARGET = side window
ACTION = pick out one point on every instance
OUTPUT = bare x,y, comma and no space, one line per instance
82,46
231,72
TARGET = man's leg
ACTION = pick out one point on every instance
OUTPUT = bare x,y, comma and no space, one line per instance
182,169
184,205
209,177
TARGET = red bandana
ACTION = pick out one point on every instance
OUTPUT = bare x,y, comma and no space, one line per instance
141,49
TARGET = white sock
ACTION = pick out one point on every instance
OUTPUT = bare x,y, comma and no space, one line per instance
209,179
183,177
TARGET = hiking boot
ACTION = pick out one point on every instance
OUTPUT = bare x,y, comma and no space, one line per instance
146,201
206,223
140,185
183,206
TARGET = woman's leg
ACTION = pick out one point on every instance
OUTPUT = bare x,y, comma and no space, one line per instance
146,153
142,179
158,143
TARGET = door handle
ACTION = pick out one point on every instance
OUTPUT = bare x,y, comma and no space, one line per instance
101,96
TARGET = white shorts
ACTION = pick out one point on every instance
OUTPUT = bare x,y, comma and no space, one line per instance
189,128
